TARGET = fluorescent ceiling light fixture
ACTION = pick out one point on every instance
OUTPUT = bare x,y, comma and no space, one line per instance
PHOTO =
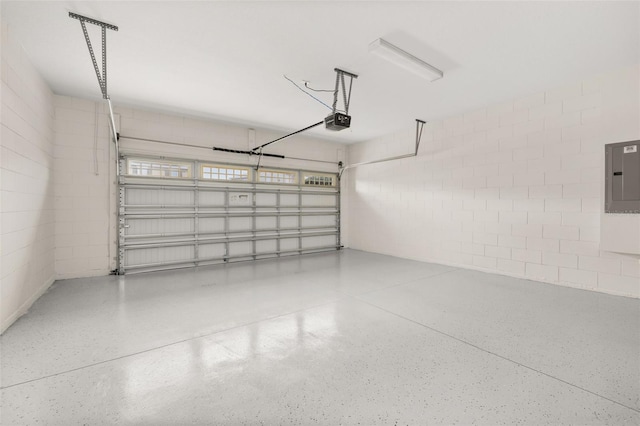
405,60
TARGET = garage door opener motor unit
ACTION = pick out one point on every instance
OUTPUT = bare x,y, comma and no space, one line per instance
337,120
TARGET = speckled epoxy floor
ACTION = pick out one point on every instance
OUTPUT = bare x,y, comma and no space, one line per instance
337,338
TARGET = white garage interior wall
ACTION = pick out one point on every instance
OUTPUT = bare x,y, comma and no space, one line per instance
27,224
84,189
515,188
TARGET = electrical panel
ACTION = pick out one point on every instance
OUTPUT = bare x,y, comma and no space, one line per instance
622,177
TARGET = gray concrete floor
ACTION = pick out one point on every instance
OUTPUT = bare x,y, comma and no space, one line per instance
337,338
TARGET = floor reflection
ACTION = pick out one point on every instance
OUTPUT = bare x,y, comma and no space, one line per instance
151,383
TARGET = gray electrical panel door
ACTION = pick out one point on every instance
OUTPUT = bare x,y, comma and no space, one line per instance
622,177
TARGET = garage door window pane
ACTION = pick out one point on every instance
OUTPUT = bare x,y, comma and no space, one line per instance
225,173
277,176
319,180
158,169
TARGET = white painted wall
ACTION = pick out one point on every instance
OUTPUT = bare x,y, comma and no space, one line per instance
515,188
27,225
84,179
85,187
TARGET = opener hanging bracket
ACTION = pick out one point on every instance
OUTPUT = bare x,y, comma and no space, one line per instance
102,76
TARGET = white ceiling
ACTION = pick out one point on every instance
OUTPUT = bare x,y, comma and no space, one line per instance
226,60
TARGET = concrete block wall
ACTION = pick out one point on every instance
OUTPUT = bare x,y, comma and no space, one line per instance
26,167
515,188
84,171
85,183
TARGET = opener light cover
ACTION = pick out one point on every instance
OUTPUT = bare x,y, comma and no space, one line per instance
405,60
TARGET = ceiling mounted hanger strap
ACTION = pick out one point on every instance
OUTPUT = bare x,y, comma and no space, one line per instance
341,84
335,92
419,127
104,62
344,94
347,97
93,59
102,76
93,21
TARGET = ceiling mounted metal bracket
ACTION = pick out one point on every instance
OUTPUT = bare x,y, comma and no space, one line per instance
340,84
419,126
102,77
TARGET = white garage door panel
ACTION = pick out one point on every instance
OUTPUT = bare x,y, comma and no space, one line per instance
288,222
168,222
159,197
319,200
312,242
158,255
241,248
319,221
266,246
240,223
240,199
211,224
266,200
211,198
290,200
266,222
159,226
211,251
289,244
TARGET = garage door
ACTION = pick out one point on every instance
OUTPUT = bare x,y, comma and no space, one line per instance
181,213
